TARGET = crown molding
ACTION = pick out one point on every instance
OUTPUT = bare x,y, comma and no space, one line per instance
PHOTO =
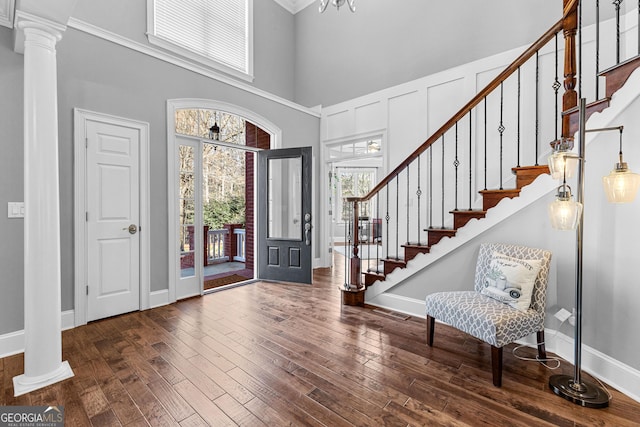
294,6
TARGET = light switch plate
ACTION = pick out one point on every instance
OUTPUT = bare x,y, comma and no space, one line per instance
15,210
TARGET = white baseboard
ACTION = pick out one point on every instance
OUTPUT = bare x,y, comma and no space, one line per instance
158,298
405,305
622,377
13,342
68,320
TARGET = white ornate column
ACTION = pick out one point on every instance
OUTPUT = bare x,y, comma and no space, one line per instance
43,363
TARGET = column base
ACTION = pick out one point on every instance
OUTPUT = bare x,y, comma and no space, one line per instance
23,384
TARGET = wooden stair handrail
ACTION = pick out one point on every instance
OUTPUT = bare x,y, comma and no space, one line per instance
569,8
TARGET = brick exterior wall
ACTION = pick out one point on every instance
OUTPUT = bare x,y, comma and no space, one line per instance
255,137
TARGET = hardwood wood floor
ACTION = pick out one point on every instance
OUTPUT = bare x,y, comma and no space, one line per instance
282,354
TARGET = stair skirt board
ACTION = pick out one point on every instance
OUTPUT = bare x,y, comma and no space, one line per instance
541,187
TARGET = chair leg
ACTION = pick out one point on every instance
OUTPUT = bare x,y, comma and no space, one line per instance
542,353
431,323
496,365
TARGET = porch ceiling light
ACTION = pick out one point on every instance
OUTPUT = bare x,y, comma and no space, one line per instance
337,4
214,131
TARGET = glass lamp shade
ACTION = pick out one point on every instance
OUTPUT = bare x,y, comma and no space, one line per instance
621,185
562,163
564,212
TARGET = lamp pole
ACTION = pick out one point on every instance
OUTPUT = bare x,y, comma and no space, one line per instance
574,389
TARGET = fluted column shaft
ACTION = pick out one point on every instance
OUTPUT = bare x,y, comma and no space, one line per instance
42,280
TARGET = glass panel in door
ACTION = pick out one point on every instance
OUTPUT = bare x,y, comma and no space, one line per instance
186,215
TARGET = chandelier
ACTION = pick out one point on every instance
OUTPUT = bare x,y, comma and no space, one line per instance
337,4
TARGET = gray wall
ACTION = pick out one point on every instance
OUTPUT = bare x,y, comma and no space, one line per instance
11,185
343,55
273,36
101,76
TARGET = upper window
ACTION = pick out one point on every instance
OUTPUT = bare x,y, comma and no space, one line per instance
197,122
217,33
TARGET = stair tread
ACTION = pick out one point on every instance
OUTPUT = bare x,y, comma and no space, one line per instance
414,245
468,211
442,230
524,168
396,260
373,272
590,104
619,65
503,190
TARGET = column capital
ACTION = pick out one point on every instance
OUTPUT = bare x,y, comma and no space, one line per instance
25,22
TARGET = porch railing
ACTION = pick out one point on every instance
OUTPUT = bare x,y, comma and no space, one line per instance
216,245
241,239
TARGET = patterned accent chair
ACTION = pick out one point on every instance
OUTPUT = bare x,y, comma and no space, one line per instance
487,319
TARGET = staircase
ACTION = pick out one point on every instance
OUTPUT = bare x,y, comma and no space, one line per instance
454,218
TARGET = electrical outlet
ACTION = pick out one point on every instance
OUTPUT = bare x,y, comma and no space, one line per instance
562,315
15,210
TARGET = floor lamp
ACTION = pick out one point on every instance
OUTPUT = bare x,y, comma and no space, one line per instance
621,186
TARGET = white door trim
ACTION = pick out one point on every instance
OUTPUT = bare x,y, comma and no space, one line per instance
195,103
80,118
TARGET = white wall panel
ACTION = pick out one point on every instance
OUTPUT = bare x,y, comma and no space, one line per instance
369,117
339,124
407,125
444,99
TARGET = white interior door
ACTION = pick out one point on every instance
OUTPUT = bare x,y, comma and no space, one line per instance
113,218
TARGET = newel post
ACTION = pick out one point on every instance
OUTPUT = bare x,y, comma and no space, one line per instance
355,259
569,28
353,291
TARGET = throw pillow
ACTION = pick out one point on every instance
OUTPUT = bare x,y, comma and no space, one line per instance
510,280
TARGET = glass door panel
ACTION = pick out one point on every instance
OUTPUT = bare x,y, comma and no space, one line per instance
186,216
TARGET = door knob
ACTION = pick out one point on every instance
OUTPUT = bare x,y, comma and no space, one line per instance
132,229
307,233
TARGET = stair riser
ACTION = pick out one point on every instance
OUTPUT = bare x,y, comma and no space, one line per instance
490,199
371,278
461,218
410,253
526,175
390,265
434,236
